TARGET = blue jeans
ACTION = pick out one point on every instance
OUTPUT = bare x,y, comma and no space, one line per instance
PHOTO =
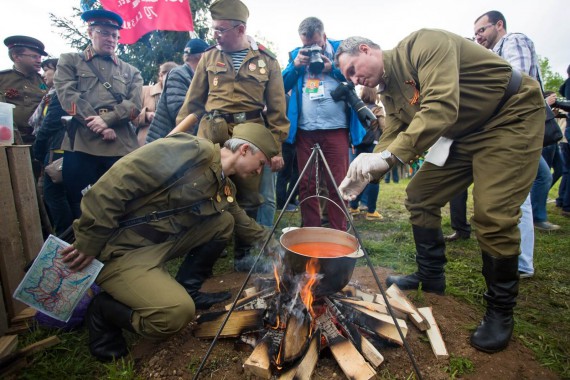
395,175
266,212
554,160
564,189
527,238
539,191
370,193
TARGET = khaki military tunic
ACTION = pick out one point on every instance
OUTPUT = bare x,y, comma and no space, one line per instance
82,95
258,83
25,92
440,84
137,185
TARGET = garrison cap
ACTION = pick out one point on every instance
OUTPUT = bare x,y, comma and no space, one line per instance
102,17
259,136
27,42
195,46
229,10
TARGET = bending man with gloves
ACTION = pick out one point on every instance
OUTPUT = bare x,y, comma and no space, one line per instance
165,200
479,117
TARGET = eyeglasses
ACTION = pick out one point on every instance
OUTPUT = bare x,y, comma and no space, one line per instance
222,31
35,57
106,34
482,29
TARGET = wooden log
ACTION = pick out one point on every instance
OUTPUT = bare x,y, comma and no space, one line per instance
381,324
25,196
24,316
353,291
249,291
394,293
240,321
306,366
250,298
374,306
434,334
346,355
297,337
370,352
12,261
8,344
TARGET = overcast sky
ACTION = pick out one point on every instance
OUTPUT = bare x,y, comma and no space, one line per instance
546,22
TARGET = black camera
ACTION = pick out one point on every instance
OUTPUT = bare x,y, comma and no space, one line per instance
347,93
316,63
564,105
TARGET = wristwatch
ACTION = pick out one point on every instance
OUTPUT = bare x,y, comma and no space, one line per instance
389,158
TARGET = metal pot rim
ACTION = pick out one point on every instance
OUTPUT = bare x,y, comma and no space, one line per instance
321,234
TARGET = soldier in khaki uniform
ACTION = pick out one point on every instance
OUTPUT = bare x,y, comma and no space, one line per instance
100,132
180,183
22,85
486,121
233,83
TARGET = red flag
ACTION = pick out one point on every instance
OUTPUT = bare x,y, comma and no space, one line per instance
143,16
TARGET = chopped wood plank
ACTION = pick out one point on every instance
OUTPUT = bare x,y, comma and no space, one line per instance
250,298
240,321
12,261
26,200
370,352
353,291
25,315
382,324
259,362
8,344
29,350
306,366
297,337
374,306
434,334
394,293
346,355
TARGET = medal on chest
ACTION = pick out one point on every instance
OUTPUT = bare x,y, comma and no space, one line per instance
228,193
215,81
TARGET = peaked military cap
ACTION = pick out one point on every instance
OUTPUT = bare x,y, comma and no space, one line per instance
27,42
195,46
259,136
229,10
102,17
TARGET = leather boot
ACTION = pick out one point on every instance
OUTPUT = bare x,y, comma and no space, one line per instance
430,257
196,268
501,275
106,317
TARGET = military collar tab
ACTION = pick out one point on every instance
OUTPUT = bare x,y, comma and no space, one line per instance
90,53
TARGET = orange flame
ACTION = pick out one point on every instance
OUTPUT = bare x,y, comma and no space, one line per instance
277,278
311,269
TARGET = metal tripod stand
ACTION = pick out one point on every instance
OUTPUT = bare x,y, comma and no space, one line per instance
317,156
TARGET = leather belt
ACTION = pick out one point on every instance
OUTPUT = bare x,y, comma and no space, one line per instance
237,117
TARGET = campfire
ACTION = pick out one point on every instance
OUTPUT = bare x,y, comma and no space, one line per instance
291,317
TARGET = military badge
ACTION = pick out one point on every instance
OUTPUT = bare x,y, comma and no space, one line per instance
262,71
416,96
252,66
261,63
215,81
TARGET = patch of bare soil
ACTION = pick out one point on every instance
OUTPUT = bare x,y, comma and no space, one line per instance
180,356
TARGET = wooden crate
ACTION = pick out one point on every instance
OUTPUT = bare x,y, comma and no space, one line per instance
21,233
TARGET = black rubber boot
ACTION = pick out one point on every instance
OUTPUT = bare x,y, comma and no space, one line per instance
196,268
431,260
495,330
106,317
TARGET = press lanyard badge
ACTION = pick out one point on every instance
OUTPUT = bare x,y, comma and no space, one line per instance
315,88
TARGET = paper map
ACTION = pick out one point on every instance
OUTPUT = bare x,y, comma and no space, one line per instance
50,287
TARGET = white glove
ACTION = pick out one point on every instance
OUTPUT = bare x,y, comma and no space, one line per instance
350,189
367,167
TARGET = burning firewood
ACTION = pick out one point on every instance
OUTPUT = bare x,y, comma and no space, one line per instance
253,298
434,335
297,335
347,356
260,361
306,366
240,321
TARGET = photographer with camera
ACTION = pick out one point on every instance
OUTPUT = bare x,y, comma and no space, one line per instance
316,117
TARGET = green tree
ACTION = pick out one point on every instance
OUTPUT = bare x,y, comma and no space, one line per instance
150,51
551,81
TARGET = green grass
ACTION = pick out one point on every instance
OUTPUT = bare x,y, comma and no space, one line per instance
542,314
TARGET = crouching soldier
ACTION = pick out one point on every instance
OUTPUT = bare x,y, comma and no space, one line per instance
166,199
